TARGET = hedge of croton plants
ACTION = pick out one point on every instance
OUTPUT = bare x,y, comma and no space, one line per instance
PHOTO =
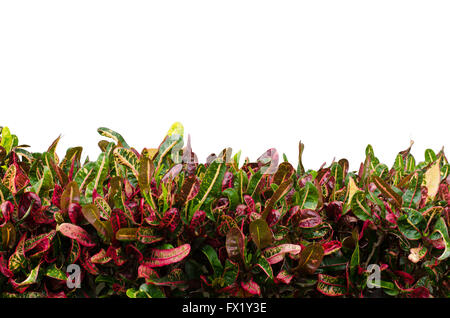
158,223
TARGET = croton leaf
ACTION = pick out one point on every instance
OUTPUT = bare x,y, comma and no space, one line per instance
235,243
360,207
127,234
54,272
147,235
127,158
70,195
211,185
387,191
276,254
230,273
163,257
433,179
113,135
213,259
261,233
411,224
331,286
442,229
92,215
100,173
284,172
31,278
251,287
308,196
264,264
284,276
281,191
310,258
331,247
7,140
309,218
417,254
77,233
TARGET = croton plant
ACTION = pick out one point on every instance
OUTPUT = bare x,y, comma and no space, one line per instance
157,223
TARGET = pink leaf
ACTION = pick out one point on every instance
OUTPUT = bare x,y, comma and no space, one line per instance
251,287
165,257
77,233
276,254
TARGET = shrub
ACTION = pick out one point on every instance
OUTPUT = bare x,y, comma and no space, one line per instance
158,223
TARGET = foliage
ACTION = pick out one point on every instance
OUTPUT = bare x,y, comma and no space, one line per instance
157,223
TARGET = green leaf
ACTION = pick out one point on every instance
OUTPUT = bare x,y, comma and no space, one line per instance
308,196
106,132
253,186
7,139
92,215
337,173
56,273
100,173
282,190
32,277
430,156
360,207
233,197
442,229
354,262
331,286
44,184
127,158
388,192
230,273
265,266
388,287
18,260
413,194
147,235
211,254
152,291
260,233
211,185
173,142
103,207
85,175
411,224
146,171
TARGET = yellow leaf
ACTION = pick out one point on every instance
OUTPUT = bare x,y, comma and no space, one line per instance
352,188
177,128
433,179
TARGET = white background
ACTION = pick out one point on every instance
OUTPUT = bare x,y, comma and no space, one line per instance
246,74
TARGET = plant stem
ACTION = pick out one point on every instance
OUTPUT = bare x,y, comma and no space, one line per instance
375,246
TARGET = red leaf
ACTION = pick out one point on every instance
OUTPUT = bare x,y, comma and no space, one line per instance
420,292
331,247
4,266
276,254
309,218
251,287
77,233
284,277
7,209
165,257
